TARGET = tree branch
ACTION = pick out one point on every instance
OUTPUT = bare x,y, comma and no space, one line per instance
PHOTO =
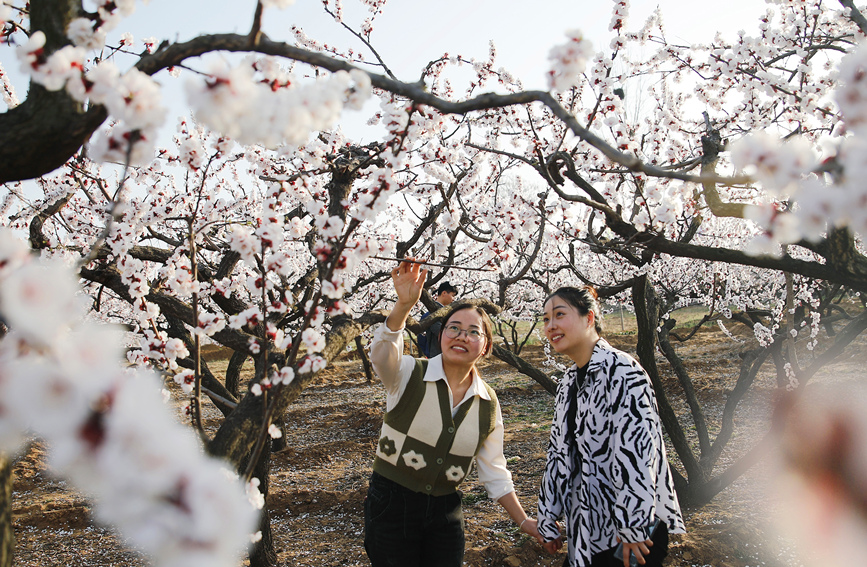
855,15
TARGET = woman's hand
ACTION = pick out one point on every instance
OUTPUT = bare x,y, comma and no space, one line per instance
531,527
553,546
408,279
638,549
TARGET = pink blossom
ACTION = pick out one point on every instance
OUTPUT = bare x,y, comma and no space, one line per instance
360,92
82,34
441,244
297,228
274,432
175,348
52,71
145,311
185,379
287,375
137,101
242,241
32,53
317,363
256,498
14,252
104,79
192,153
332,290
210,324
119,142
249,316
777,166
569,61
39,300
313,340
271,235
851,93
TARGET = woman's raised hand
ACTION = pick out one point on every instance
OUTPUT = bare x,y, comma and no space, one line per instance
408,278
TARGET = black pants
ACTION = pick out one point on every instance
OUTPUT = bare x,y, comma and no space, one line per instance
654,559
403,528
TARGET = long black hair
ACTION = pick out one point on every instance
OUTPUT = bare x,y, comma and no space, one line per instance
584,299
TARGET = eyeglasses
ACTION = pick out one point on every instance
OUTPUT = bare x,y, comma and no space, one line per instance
453,332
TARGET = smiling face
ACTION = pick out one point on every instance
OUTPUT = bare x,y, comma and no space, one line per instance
570,332
462,349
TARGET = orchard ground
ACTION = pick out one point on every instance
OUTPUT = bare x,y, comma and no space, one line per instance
319,480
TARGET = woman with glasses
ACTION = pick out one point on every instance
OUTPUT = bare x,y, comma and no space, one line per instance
607,473
440,417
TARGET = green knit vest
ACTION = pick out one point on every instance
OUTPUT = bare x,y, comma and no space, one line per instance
421,446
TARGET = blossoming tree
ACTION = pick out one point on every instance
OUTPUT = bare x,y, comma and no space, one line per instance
730,179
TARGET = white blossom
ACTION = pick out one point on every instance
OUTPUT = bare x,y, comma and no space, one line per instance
568,61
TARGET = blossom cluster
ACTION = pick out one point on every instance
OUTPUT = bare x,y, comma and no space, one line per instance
133,98
233,101
785,171
568,61
90,32
110,433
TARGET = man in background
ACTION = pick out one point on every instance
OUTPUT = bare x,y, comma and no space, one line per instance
428,342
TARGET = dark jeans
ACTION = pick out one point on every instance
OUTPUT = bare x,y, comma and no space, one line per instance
658,551
403,528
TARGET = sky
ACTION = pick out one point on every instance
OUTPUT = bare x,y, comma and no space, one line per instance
411,33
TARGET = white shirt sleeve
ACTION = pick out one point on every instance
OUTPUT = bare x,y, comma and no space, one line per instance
491,462
390,364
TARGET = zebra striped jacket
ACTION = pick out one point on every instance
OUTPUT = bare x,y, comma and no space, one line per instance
612,477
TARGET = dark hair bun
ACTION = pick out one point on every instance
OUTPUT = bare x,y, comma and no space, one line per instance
592,291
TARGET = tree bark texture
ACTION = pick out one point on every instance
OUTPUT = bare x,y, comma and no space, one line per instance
647,318
44,131
526,368
233,372
686,384
365,360
7,536
263,553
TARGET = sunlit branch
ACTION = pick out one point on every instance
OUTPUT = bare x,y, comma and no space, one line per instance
176,53
426,263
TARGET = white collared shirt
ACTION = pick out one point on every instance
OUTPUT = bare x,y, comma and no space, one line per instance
394,370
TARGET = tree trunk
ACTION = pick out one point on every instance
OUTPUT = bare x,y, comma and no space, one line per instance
44,131
647,319
365,361
525,367
686,384
233,372
7,536
263,553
